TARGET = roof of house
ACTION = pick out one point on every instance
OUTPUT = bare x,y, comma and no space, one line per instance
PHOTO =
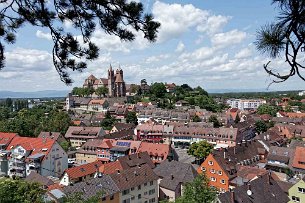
244,152
84,132
249,172
36,177
36,145
97,101
6,138
103,185
173,173
282,154
83,170
135,160
154,149
120,134
111,167
299,158
133,177
263,190
124,126
50,135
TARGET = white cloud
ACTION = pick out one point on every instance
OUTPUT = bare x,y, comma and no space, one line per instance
244,53
214,24
180,47
176,19
43,35
225,39
153,59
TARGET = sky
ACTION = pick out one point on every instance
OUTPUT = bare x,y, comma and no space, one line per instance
207,43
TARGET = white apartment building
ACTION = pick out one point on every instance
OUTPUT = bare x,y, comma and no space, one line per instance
44,156
245,104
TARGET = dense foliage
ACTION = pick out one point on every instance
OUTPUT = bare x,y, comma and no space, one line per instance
30,122
108,121
213,119
197,191
200,149
285,39
20,191
267,109
118,17
132,117
194,96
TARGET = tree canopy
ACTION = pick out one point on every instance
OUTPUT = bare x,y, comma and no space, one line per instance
285,38
20,191
267,109
198,191
118,17
200,149
132,117
213,119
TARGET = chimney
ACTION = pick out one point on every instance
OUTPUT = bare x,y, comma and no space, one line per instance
234,150
224,154
118,171
172,177
249,192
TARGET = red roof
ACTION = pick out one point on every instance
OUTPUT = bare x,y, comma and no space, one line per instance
155,149
233,109
299,158
83,170
6,138
111,167
36,145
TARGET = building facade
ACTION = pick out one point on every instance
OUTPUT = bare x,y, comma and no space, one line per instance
245,104
114,82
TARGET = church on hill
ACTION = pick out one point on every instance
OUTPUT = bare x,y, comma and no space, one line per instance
115,82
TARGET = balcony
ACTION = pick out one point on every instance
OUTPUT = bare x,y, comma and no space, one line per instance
33,166
17,166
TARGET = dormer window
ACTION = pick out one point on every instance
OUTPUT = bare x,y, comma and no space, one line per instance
210,163
44,149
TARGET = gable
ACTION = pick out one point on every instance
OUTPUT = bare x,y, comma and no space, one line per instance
215,166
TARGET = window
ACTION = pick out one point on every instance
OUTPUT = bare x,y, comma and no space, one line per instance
222,181
125,192
295,199
220,173
132,189
145,184
103,198
203,169
213,179
152,191
212,170
151,183
139,196
145,193
111,197
126,201
152,200
132,198
211,163
301,190
139,187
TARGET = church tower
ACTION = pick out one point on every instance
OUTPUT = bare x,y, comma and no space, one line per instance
111,87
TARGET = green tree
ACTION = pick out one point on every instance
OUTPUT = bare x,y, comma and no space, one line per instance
65,145
158,89
201,91
120,18
237,119
260,126
213,119
20,191
285,38
267,109
101,91
108,121
201,149
132,117
198,191
196,118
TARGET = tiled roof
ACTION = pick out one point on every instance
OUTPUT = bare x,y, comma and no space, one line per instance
93,187
111,167
299,158
84,132
83,170
36,145
50,135
97,101
135,160
174,173
263,190
6,138
36,177
248,172
120,134
133,177
153,149
124,126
